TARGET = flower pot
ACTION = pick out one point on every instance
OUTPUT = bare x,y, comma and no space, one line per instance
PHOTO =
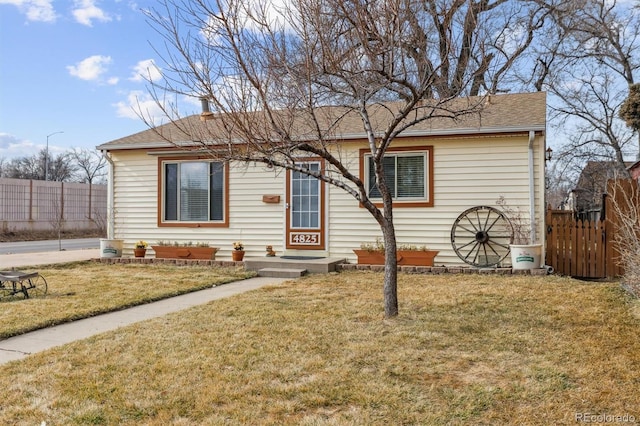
526,256
139,252
237,255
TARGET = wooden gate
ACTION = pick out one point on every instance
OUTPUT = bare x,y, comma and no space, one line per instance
587,248
576,247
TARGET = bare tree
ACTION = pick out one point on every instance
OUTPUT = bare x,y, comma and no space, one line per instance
588,108
57,221
90,165
281,81
31,167
595,65
60,167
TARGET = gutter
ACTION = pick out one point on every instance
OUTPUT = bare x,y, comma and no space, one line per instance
111,220
532,194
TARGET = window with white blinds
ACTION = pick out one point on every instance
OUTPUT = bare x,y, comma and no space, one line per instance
193,191
405,173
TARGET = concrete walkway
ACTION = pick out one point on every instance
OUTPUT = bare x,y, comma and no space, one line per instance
8,261
21,346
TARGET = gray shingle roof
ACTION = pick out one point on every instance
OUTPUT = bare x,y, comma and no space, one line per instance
500,114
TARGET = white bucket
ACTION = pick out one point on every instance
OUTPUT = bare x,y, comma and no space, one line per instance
526,256
110,248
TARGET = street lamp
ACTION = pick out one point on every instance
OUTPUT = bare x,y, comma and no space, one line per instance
46,156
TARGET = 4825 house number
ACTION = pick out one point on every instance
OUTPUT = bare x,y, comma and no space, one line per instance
305,238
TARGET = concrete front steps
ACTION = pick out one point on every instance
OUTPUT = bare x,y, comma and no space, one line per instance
281,272
277,267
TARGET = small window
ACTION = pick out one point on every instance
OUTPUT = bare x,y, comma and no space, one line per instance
193,192
408,174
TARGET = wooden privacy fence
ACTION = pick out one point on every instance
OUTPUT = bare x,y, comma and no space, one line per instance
37,205
589,248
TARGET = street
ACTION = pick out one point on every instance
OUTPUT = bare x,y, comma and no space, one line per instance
48,245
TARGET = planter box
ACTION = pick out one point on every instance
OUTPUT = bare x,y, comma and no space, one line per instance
404,257
417,257
175,252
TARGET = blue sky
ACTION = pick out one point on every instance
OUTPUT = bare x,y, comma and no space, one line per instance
72,66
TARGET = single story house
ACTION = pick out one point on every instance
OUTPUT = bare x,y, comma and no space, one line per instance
455,165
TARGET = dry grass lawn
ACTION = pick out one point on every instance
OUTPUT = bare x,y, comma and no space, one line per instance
82,289
466,349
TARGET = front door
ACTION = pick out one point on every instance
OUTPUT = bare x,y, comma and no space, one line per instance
305,209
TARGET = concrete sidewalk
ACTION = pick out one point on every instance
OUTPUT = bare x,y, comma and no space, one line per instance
28,260
21,346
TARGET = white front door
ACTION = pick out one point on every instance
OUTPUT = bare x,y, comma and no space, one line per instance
305,209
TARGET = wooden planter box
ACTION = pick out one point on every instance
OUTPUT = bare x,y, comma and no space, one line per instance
404,257
175,252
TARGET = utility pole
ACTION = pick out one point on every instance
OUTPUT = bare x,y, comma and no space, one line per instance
46,156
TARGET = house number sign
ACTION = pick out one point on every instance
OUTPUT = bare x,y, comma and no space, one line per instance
305,238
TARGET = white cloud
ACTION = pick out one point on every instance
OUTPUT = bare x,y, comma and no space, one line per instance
92,69
140,103
253,15
36,10
146,70
85,11
13,147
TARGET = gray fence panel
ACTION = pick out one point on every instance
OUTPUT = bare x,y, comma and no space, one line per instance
38,205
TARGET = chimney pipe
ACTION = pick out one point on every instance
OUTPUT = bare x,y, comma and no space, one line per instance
205,104
206,113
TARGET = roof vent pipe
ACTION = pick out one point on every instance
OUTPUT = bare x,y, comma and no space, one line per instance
205,104
206,113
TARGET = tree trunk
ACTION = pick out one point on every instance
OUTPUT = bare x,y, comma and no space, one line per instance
390,288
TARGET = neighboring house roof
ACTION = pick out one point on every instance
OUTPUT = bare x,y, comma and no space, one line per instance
499,114
592,183
634,170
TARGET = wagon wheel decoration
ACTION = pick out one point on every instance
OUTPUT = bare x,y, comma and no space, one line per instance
481,235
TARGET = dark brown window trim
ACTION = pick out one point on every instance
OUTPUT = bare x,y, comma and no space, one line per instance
418,149
221,224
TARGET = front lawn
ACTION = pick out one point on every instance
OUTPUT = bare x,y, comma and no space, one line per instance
466,349
83,289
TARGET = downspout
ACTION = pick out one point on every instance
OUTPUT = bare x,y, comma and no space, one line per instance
110,197
532,193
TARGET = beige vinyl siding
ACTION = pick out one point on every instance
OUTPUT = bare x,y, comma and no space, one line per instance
468,172
135,192
251,221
